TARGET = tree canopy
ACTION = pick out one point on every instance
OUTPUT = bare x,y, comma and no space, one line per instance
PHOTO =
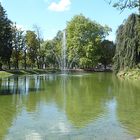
83,39
32,44
107,51
127,53
123,4
26,49
5,37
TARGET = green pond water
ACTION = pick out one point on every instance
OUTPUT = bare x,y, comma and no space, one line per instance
79,106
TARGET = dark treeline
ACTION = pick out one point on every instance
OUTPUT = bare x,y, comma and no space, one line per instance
17,48
86,45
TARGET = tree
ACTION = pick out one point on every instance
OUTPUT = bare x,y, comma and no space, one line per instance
83,39
40,41
57,43
24,53
5,37
53,49
49,57
127,53
107,50
18,42
123,4
32,44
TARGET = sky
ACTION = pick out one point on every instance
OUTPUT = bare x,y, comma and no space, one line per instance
53,15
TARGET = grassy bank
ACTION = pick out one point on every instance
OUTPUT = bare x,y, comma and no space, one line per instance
7,73
130,74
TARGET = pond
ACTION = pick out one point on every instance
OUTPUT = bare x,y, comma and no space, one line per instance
79,106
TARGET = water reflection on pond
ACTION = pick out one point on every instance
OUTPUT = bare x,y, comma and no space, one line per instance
76,106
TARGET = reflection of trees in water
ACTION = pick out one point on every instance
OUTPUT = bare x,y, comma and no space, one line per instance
81,98
128,106
12,100
80,101
85,101
8,111
10,86
19,85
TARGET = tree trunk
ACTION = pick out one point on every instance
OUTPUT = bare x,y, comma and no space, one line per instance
37,63
17,65
0,66
9,65
105,67
25,63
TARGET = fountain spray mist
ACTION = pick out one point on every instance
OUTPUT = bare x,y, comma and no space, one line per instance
63,53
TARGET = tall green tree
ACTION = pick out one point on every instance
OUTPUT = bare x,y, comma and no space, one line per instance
53,49
5,38
83,39
127,53
32,45
24,53
40,41
107,51
50,54
18,42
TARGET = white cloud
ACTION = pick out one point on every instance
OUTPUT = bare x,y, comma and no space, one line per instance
62,5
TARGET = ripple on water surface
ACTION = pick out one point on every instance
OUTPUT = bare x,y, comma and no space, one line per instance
75,107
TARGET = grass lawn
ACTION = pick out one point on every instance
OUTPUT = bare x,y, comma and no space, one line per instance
5,74
25,72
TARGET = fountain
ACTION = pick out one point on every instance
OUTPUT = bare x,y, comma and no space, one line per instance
64,64
63,53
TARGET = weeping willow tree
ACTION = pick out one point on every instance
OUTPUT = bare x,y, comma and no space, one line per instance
127,53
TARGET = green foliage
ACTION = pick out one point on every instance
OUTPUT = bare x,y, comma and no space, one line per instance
32,44
5,37
18,43
48,51
123,4
127,53
107,50
56,47
83,39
